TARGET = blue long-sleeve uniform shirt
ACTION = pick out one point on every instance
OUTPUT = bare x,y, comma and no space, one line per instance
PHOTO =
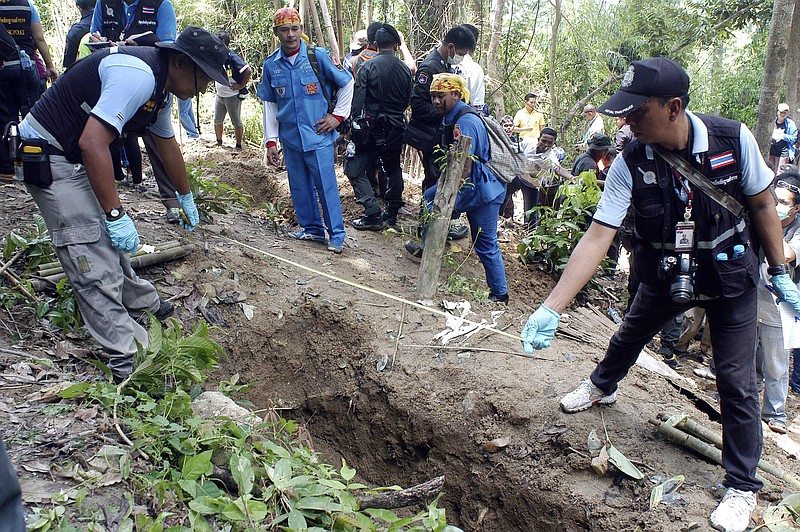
296,90
481,186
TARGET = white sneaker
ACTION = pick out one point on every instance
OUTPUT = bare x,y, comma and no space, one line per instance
585,396
733,513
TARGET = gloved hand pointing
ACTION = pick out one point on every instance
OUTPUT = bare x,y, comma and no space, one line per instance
540,329
189,209
123,234
786,290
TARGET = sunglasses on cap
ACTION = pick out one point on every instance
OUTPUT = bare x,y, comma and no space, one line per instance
788,186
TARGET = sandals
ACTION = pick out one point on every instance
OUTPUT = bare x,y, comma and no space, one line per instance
777,426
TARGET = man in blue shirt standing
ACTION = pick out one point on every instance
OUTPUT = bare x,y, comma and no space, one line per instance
481,193
296,110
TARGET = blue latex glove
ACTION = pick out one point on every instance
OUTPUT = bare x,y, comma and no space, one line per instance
540,329
189,209
786,290
123,234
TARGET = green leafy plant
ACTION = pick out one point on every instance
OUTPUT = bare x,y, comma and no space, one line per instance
270,481
63,312
34,245
212,195
558,232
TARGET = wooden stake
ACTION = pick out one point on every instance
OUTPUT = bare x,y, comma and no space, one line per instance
439,218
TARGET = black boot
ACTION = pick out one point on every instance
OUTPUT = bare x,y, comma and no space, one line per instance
369,223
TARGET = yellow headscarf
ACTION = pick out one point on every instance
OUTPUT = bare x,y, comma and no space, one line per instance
447,82
286,15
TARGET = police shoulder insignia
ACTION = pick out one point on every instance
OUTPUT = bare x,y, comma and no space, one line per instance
422,78
456,131
336,62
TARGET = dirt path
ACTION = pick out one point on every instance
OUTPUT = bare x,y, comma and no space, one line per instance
481,415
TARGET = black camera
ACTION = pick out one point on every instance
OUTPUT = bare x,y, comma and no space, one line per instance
681,269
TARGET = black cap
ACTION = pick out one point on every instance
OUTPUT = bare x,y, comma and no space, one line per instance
599,142
644,79
205,50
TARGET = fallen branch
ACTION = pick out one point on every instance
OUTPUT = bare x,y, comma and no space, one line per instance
407,497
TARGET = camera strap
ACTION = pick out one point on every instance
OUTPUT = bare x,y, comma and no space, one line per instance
700,181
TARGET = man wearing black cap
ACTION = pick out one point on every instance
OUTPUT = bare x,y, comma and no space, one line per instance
671,209
598,147
382,93
111,93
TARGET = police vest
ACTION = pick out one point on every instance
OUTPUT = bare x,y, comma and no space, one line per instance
144,18
717,230
64,109
16,16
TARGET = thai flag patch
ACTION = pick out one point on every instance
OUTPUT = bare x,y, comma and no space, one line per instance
148,10
721,160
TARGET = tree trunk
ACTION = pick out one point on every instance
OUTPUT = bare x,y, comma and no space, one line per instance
793,66
339,28
551,76
774,69
498,99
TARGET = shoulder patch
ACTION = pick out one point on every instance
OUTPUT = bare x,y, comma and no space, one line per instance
338,64
422,78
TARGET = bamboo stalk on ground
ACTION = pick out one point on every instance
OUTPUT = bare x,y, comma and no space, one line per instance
139,261
52,268
711,451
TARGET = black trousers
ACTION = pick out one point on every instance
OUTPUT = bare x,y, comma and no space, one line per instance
388,157
733,337
432,170
11,516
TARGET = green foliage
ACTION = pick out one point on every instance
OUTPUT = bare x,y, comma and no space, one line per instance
212,195
275,482
62,310
552,241
34,246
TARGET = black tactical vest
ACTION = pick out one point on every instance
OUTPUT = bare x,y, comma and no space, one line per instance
144,18
658,209
64,109
16,16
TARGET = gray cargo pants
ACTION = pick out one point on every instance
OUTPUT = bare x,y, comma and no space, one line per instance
109,294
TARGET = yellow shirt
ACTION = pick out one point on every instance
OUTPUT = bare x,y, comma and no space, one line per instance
524,119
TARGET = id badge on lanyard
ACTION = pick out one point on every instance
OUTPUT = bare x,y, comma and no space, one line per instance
684,231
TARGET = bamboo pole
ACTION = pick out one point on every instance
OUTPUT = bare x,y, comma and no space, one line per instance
439,218
319,36
140,261
326,17
339,28
52,268
711,451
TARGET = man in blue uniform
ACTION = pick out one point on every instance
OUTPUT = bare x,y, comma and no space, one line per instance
481,193
296,110
116,91
675,276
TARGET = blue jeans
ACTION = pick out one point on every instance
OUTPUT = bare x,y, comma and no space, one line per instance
773,360
483,229
186,116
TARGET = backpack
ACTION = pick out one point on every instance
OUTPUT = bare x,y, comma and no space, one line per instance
506,160
312,59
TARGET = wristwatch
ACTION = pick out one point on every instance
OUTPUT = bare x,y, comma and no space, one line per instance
115,214
780,269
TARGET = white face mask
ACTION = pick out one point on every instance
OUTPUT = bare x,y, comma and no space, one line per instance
456,59
783,211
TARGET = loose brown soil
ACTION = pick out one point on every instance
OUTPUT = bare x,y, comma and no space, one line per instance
314,346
